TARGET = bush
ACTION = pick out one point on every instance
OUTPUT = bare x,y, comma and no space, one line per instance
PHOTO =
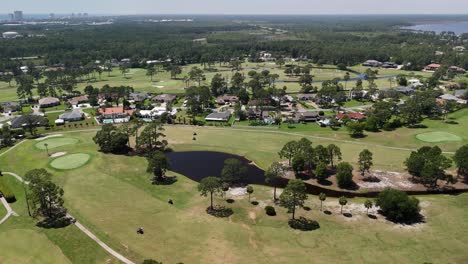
344,175
397,206
304,224
6,191
219,211
270,210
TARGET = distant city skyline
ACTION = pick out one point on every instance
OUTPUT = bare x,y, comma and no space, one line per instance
125,7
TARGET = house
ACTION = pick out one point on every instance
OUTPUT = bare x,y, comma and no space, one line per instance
432,67
79,100
372,63
11,107
28,120
457,69
219,116
115,112
156,112
451,86
389,65
451,97
461,93
414,83
353,116
404,90
48,102
164,98
306,97
227,99
75,115
265,56
308,116
459,49
138,97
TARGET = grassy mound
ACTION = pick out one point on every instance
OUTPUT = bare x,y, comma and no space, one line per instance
56,142
71,161
434,137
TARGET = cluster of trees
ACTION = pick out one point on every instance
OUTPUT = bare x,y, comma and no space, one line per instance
44,198
428,164
113,139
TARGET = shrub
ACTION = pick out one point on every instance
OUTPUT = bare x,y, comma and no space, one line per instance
304,224
6,191
219,211
270,210
344,175
397,206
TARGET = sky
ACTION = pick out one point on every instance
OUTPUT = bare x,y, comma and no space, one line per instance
237,6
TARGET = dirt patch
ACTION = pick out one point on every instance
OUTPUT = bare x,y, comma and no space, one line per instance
252,215
58,154
237,193
390,179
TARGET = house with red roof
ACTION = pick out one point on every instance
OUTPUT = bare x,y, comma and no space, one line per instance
353,116
115,112
432,67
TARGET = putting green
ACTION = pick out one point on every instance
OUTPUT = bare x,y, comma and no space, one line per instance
434,137
71,161
56,142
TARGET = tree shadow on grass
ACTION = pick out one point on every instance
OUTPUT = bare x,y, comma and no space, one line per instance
416,126
230,201
371,216
327,212
325,182
168,180
307,208
416,219
348,215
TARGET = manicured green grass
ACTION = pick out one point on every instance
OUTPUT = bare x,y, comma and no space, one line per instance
2,211
113,196
435,137
71,161
55,142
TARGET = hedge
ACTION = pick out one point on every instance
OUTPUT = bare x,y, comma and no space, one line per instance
6,191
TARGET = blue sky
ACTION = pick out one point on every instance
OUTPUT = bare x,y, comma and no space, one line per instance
238,6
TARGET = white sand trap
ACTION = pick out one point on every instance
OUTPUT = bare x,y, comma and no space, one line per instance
159,86
58,154
55,135
237,193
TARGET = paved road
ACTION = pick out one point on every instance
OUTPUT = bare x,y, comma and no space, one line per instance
77,224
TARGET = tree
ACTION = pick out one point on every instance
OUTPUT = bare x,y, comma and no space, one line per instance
333,152
175,70
356,129
322,197
111,140
196,75
293,195
124,70
250,190
461,160
344,175
273,176
398,206
151,71
233,171
343,201
157,165
346,79
152,138
365,161
411,112
218,85
368,204
429,164
289,150
280,62
46,197
298,163
210,185
321,171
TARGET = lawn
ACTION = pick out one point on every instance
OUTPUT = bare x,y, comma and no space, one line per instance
72,161
55,142
113,196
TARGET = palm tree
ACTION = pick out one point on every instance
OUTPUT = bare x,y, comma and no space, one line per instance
343,201
322,197
368,204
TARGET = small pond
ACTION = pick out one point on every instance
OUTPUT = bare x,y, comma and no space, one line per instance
197,165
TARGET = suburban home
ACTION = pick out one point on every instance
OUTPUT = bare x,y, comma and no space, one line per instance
155,112
459,49
227,99
115,112
219,116
75,115
457,69
28,120
414,83
372,63
308,116
353,116
432,67
389,65
451,97
79,100
451,86
11,107
164,98
306,97
138,97
48,102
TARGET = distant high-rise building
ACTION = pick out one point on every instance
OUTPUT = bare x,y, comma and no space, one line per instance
11,16
18,15
73,15
52,16
85,14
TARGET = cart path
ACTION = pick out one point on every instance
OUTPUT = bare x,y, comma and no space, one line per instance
10,211
77,224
